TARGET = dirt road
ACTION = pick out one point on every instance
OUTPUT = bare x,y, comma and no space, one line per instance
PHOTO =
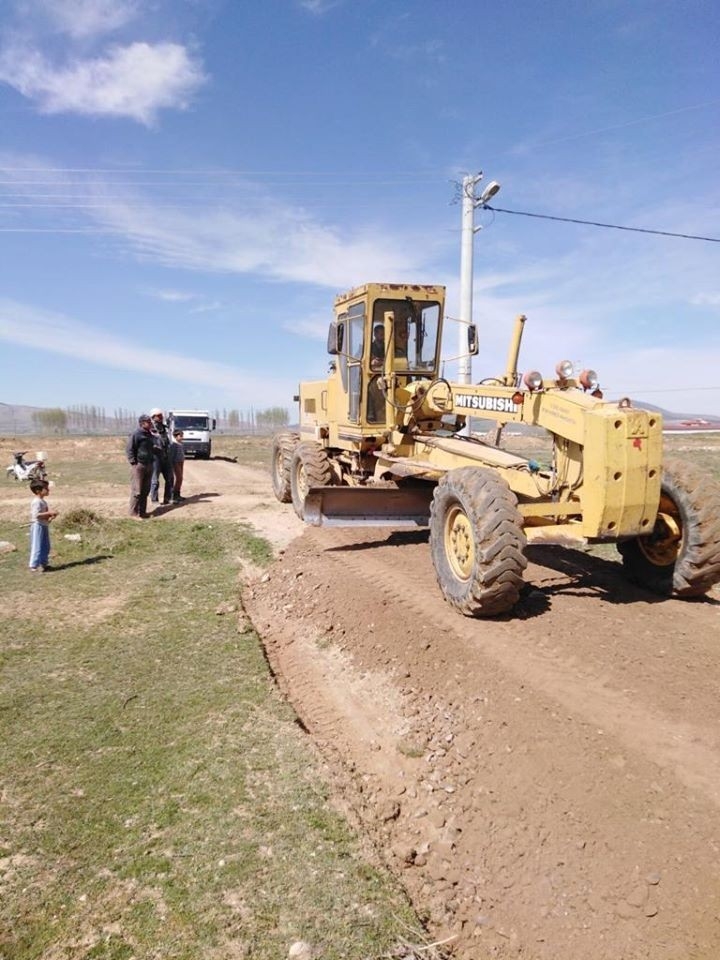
547,785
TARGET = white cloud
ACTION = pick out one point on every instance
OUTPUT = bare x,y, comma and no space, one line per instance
318,7
266,239
208,306
310,328
87,18
173,296
197,302
706,300
280,242
134,81
38,329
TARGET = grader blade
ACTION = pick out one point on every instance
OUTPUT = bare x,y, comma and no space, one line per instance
368,506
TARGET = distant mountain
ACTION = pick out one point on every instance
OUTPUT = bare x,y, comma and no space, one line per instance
671,421
671,415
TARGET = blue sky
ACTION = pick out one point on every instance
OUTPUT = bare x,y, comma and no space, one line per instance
186,184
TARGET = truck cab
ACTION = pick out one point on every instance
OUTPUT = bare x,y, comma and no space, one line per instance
196,426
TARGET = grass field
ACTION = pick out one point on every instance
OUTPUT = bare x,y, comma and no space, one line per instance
158,799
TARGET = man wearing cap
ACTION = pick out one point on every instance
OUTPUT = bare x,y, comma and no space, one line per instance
162,466
140,452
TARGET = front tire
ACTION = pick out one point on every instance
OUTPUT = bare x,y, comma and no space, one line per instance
283,446
309,467
477,542
681,557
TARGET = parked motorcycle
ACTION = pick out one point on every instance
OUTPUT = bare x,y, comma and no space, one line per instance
23,469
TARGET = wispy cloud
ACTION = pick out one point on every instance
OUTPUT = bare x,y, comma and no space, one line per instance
173,296
279,242
84,18
415,46
706,300
247,233
135,81
207,306
195,302
30,326
318,7
310,328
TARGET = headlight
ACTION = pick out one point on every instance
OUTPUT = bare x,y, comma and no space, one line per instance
564,369
533,380
589,380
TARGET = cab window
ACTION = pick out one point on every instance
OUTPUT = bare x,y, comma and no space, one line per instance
415,331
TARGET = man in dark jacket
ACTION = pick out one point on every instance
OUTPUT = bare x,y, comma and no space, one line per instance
162,466
140,449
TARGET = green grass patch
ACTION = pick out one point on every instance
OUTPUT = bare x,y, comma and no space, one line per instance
112,468
158,799
251,450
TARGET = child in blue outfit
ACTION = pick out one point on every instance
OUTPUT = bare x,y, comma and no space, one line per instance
40,517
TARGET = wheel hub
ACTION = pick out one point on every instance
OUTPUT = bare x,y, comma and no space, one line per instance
459,543
302,481
663,545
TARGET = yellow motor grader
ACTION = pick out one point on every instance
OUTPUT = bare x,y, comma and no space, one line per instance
383,441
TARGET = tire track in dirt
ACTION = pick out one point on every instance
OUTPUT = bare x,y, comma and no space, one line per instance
546,810
688,749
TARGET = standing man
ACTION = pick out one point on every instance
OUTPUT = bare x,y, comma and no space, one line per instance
140,452
162,466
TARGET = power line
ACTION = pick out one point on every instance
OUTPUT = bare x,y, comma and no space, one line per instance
594,223
669,389
55,230
422,175
627,123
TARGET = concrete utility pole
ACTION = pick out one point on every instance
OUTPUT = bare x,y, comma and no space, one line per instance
469,203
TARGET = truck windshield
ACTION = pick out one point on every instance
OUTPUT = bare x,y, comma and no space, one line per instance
190,423
415,331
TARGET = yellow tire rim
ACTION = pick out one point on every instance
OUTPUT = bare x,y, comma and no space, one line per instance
663,545
302,481
459,543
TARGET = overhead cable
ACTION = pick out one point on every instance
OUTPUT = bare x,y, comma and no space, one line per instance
593,223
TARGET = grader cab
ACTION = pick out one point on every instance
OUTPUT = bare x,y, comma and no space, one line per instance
382,441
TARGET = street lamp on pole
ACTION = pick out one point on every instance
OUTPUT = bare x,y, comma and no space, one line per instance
469,203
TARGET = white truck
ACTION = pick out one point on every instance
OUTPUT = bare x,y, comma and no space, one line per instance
196,425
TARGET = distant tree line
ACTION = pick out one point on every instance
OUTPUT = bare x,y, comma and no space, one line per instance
86,419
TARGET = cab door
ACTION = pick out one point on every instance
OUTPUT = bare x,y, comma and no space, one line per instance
351,359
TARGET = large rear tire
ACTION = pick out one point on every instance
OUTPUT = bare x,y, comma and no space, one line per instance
283,446
477,542
681,557
309,467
